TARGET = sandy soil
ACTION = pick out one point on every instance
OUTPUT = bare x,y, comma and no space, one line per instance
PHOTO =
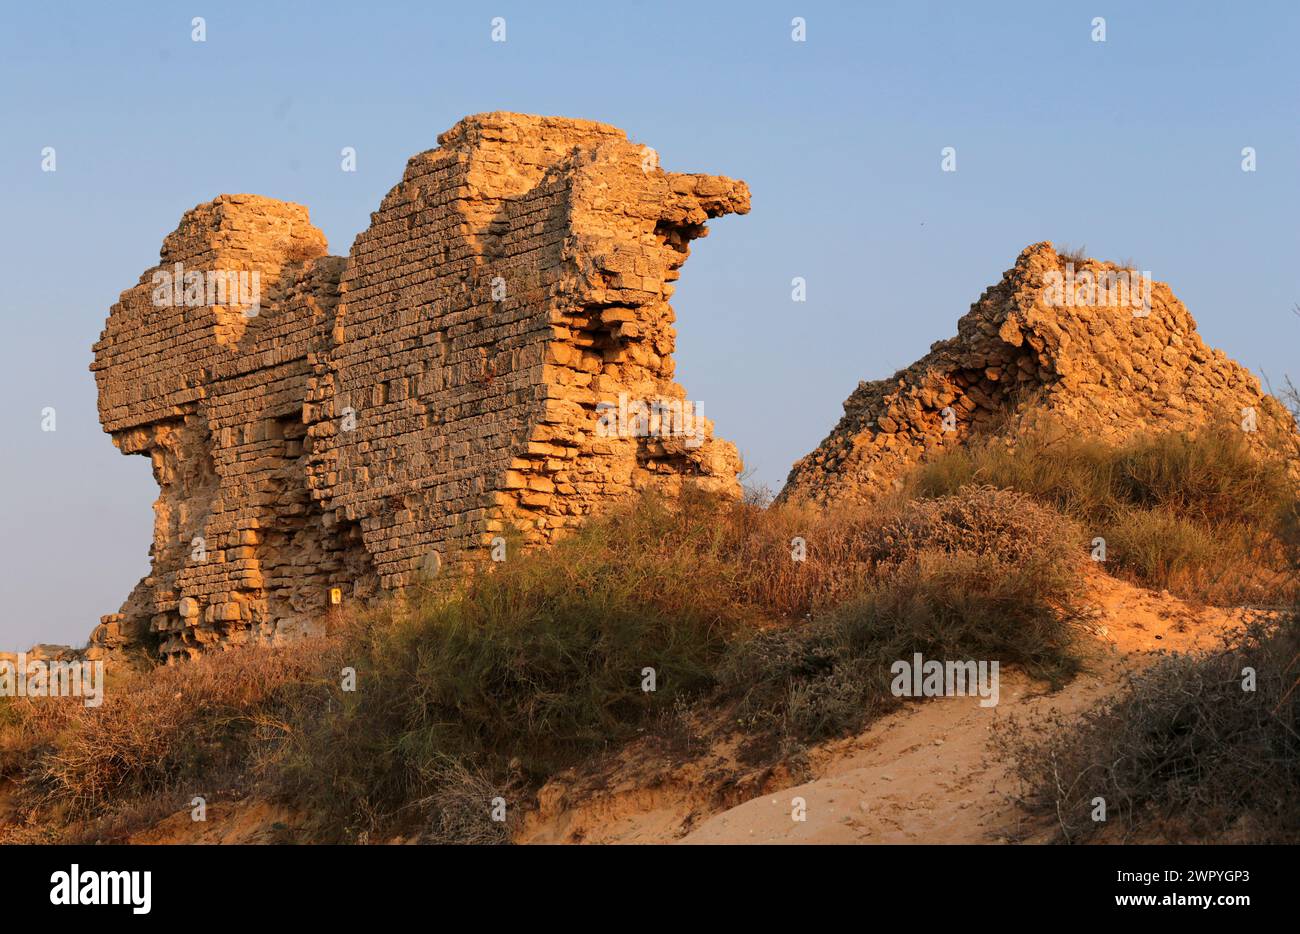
227,822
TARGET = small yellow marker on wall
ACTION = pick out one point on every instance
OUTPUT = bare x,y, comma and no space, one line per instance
336,596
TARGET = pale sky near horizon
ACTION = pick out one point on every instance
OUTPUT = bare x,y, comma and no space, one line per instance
1131,147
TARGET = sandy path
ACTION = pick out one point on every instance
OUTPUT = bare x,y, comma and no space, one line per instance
922,775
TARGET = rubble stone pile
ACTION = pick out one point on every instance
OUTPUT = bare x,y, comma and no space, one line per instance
1062,344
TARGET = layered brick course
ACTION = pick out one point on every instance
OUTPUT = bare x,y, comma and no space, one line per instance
389,414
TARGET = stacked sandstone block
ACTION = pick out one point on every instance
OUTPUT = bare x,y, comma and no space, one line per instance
1025,358
391,414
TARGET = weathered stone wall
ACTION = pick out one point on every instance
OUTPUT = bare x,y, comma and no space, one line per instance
1027,357
390,414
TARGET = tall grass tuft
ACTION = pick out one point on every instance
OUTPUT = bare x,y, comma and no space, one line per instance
1198,514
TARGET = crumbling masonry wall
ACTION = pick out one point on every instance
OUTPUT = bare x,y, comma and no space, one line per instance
389,414
1038,351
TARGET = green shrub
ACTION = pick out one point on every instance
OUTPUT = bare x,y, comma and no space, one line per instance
533,664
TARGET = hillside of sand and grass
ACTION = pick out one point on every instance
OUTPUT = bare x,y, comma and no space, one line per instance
1084,494
522,693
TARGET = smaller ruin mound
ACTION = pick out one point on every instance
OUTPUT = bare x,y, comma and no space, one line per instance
1075,344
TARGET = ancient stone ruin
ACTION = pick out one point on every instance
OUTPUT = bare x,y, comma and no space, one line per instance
1060,344
492,359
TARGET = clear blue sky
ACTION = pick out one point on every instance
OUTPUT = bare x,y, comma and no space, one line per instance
1131,147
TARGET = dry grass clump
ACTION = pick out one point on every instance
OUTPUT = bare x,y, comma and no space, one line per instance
1198,514
466,806
1186,753
980,520
177,729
